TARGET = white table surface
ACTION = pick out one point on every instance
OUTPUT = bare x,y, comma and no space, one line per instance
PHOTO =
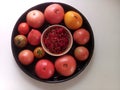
102,73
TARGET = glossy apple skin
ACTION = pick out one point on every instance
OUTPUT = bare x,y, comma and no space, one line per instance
44,69
34,37
23,28
73,20
26,57
81,36
35,18
81,53
65,65
54,13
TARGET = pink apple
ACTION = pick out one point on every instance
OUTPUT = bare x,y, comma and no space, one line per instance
35,18
54,13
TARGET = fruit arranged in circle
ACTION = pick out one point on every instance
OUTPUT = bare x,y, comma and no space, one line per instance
44,69
20,41
23,28
81,36
81,53
34,37
54,13
26,57
39,52
73,20
35,18
65,65
30,51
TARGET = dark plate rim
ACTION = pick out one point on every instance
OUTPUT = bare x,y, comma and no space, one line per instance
74,75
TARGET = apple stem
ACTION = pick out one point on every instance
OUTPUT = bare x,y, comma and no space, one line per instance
65,65
44,68
57,11
76,17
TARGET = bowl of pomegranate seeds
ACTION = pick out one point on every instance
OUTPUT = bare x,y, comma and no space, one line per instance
56,40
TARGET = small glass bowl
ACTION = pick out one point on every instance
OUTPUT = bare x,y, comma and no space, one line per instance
51,47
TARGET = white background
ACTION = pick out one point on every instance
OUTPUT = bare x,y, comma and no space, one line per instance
103,72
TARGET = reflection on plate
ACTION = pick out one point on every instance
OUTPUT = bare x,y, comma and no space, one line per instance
29,70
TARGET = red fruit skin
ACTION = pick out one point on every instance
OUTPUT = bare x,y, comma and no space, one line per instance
26,57
81,53
44,69
81,36
34,37
54,13
65,65
23,28
35,18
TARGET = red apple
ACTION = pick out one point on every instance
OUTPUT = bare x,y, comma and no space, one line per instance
54,13
65,65
23,28
44,69
81,53
26,57
34,37
35,18
81,36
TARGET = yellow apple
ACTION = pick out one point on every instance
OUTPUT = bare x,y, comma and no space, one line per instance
73,20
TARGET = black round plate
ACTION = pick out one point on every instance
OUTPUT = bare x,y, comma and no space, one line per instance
29,70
